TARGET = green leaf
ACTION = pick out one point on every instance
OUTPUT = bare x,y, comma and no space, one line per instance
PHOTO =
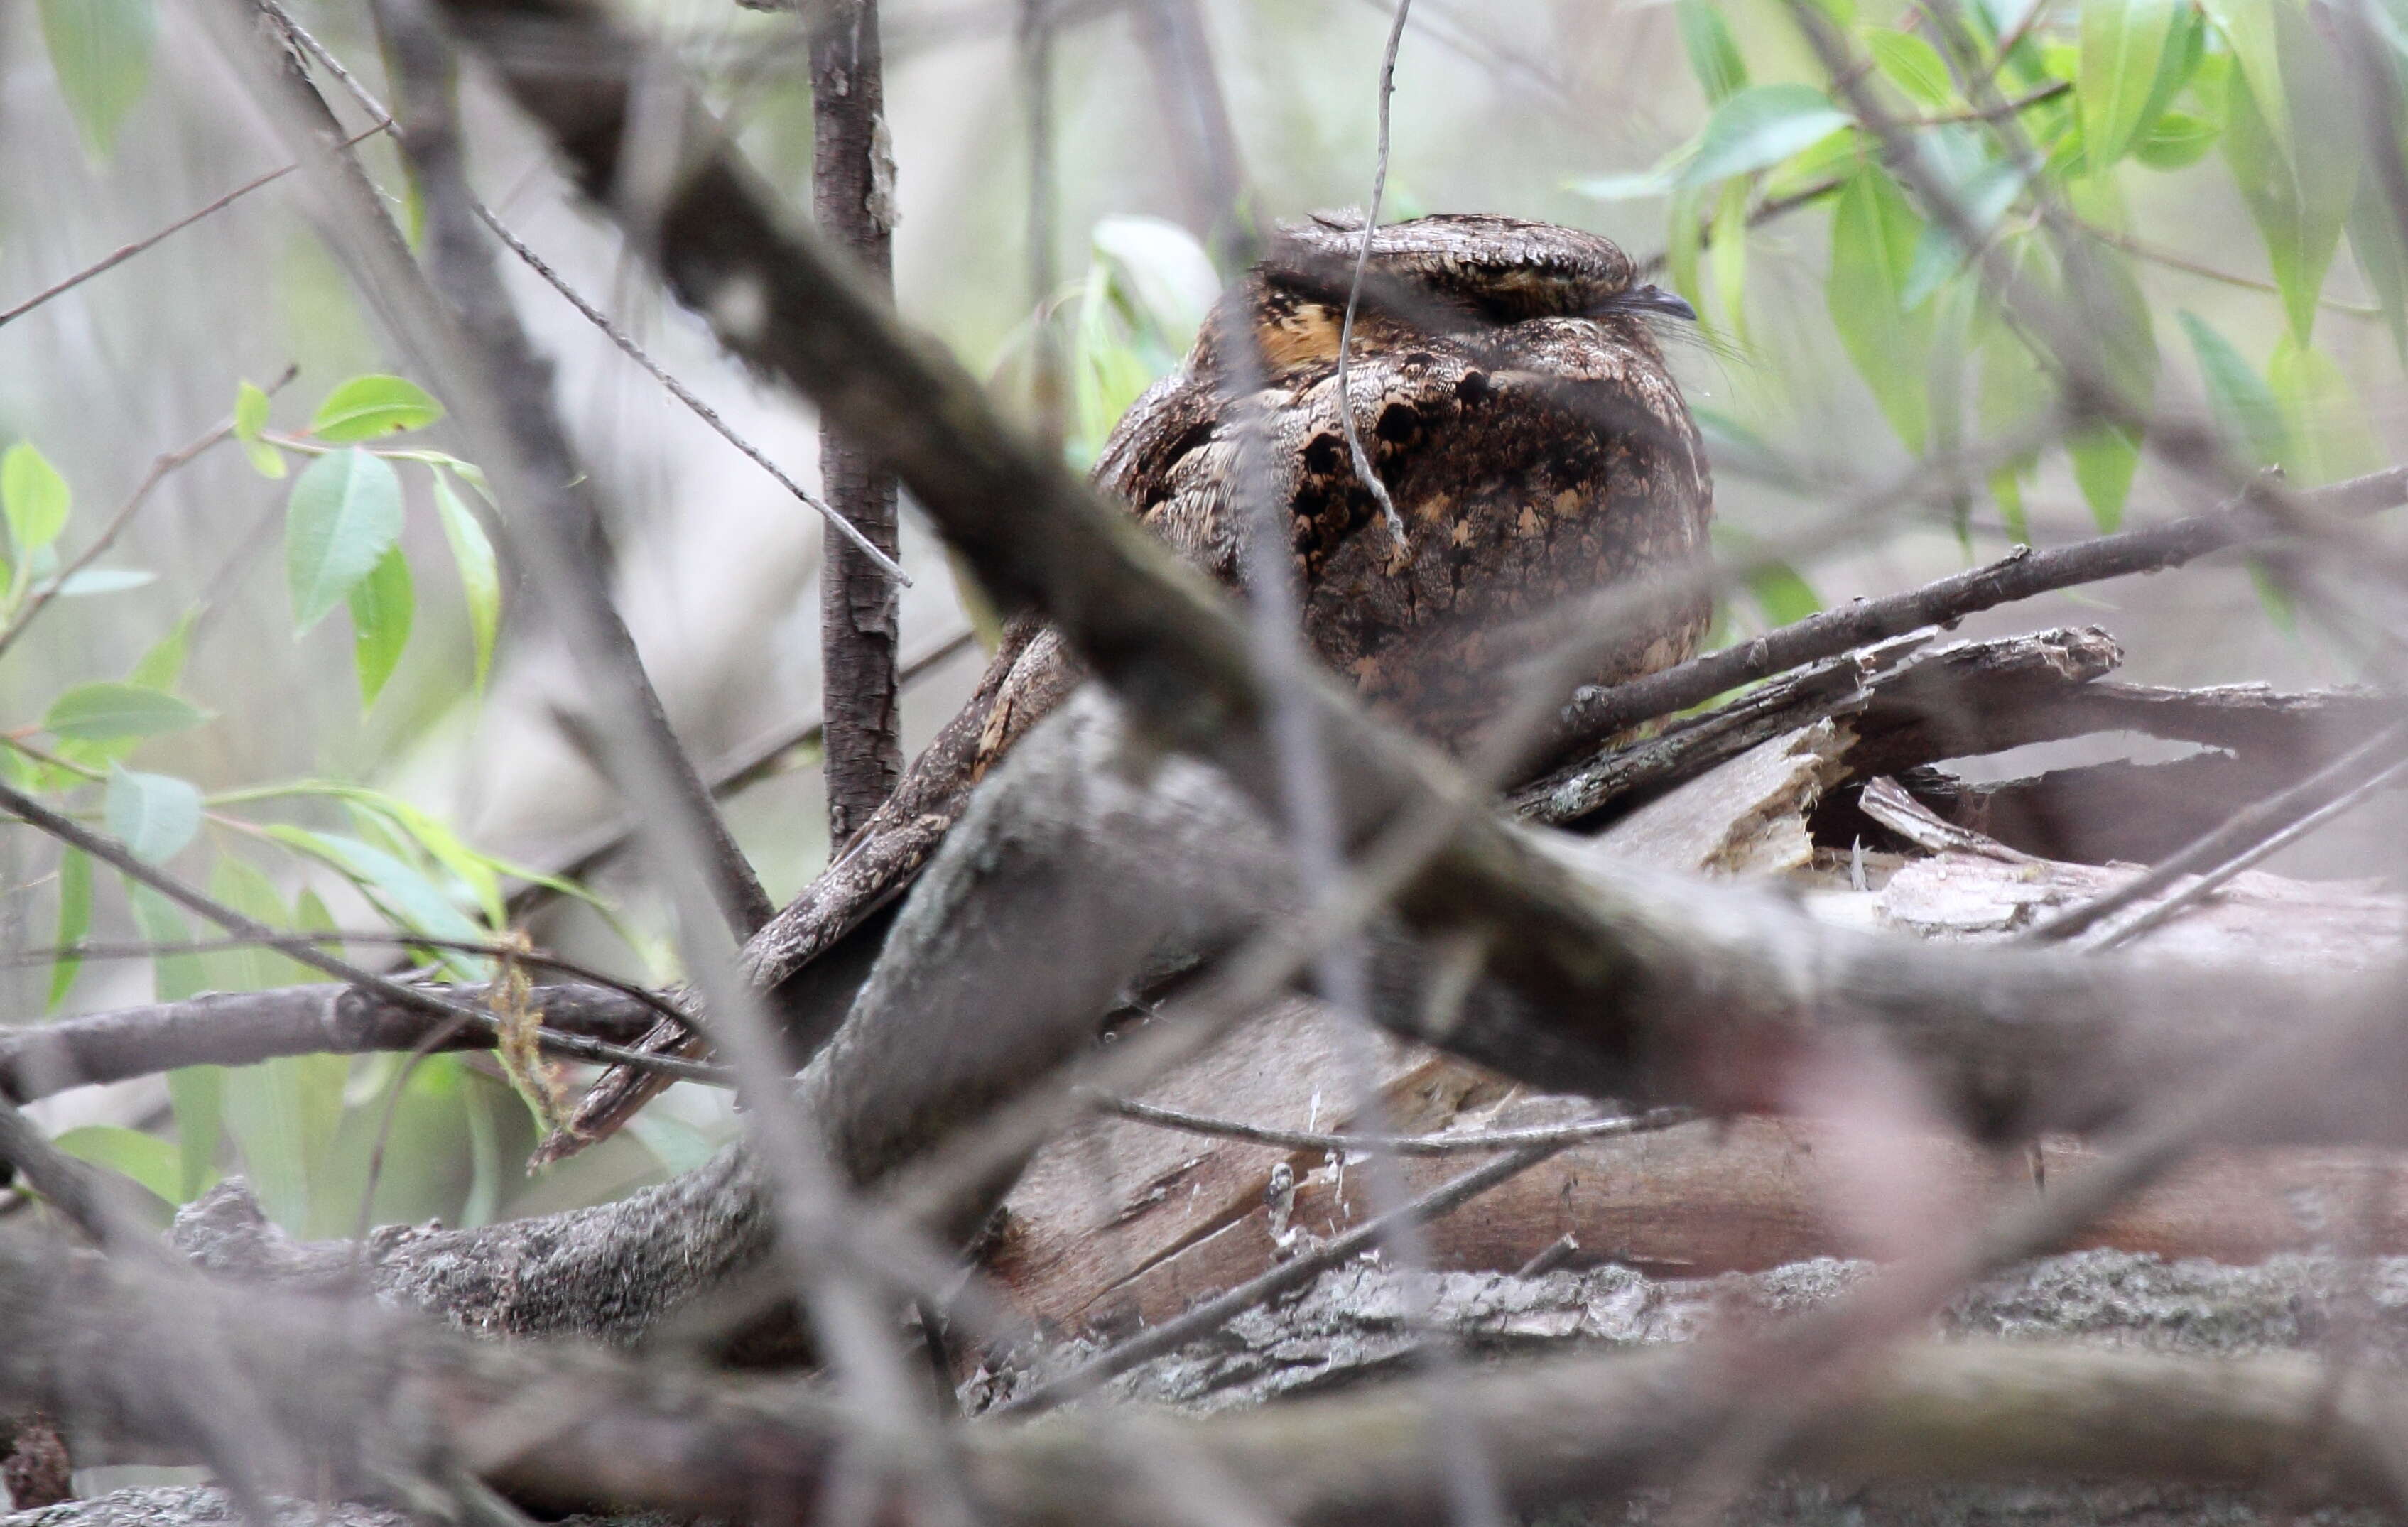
90,581
101,51
1874,233
1634,186
406,896
1162,276
481,874
678,1146
173,976
34,498
1783,593
1713,53
249,417
380,612
1985,197
105,711
2104,297
2323,422
481,576
1685,243
2007,488
102,581
2124,47
74,920
251,968
2274,598
2177,66
160,666
198,1093
153,815
1726,261
2103,462
2374,243
367,407
1913,65
1107,373
2297,170
282,1115
1759,128
2176,140
2244,405
146,1160
2250,26
345,514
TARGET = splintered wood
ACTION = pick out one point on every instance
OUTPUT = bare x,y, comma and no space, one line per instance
1121,1224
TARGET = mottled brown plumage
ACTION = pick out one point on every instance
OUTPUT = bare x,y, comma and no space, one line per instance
1510,391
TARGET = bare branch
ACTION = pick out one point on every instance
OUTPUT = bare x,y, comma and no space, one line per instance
2020,575
239,1028
853,199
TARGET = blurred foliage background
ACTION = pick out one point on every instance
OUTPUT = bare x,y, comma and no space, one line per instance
275,681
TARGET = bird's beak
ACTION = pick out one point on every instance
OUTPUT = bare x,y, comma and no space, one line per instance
1651,299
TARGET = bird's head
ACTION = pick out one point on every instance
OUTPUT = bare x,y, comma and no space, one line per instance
1448,273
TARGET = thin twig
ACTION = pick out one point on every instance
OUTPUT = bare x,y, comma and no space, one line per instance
2049,91
1394,1145
1767,211
127,251
1214,1313
2131,928
742,766
617,336
109,851
161,468
149,949
1033,42
1362,461
2248,828
243,1028
2157,254
462,266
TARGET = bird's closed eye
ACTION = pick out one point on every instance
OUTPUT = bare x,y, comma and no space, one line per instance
1650,300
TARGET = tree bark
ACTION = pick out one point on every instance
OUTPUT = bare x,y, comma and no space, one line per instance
853,197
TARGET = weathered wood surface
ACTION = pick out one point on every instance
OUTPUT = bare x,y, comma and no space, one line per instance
1098,1216
1126,1223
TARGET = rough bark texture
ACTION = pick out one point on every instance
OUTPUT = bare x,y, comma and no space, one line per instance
852,200
2182,1379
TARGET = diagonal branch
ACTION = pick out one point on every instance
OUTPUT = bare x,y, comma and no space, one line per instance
462,266
1597,713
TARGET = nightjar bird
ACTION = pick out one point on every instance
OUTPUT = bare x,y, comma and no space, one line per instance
1505,380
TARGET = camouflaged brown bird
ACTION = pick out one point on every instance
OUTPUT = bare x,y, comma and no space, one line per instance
1505,379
